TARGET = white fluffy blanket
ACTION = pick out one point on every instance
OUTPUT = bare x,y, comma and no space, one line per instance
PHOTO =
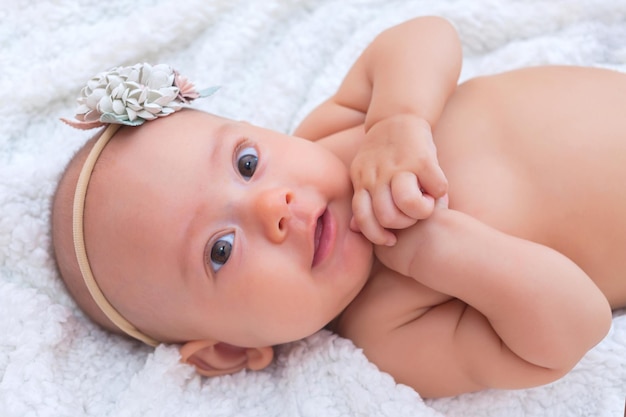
275,60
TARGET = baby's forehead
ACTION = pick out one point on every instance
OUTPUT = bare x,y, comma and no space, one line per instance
186,122
160,151
166,133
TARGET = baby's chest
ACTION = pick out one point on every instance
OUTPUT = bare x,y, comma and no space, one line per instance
388,301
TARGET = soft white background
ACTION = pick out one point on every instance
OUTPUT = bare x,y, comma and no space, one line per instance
275,59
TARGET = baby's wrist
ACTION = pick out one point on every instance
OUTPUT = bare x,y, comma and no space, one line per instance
399,119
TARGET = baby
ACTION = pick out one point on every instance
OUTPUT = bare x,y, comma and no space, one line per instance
229,239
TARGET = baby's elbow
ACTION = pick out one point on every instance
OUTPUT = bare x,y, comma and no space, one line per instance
599,322
603,321
592,329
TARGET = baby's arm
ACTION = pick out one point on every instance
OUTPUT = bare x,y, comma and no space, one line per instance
397,90
524,314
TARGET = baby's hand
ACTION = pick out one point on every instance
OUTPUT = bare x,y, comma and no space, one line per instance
396,178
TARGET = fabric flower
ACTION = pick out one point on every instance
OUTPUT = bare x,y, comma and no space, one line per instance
133,95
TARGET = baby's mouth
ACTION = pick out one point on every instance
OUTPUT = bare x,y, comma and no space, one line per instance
319,229
323,238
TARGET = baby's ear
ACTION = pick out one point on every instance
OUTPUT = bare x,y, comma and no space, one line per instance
213,358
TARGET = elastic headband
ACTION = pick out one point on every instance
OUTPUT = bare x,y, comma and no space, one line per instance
121,96
79,241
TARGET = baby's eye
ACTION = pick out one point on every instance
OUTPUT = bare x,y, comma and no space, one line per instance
220,252
247,159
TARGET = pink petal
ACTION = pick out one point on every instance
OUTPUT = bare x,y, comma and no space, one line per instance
82,125
187,89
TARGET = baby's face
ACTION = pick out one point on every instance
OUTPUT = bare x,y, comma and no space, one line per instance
199,227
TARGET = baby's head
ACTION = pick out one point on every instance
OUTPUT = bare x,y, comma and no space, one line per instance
219,235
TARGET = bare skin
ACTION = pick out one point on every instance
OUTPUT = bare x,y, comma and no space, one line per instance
507,286
514,164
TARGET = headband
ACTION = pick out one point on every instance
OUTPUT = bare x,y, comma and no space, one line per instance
121,96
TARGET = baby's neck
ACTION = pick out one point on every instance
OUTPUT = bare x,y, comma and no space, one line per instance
334,324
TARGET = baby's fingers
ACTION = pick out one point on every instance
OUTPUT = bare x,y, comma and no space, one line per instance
433,180
386,211
366,222
408,196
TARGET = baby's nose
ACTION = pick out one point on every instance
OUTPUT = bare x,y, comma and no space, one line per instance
272,207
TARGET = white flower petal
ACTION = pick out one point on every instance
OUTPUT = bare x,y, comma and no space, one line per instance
134,95
119,107
143,95
169,91
85,91
164,100
93,98
152,107
132,115
113,80
118,91
105,105
93,83
160,77
133,75
82,109
146,72
152,96
175,105
146,115
132,85
132,104
91,116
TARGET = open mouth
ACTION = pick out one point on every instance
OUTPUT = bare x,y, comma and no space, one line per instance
324,232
